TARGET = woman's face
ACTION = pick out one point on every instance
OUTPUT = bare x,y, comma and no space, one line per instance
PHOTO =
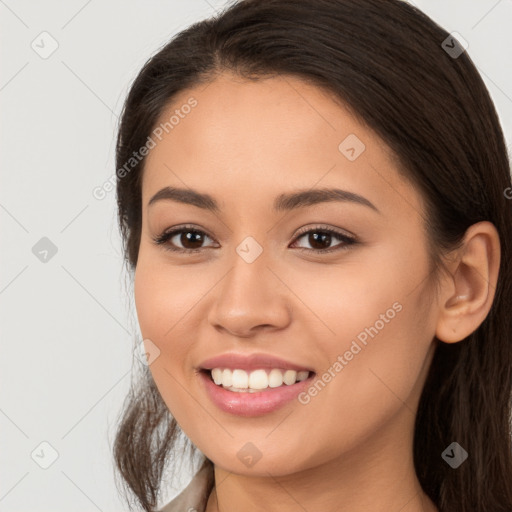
361,317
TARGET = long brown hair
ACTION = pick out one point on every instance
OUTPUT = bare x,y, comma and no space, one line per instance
387,61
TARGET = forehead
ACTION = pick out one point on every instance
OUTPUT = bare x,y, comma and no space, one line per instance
269,135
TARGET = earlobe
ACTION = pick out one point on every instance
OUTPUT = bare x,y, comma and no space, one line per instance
468,292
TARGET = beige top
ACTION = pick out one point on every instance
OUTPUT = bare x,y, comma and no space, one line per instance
195,496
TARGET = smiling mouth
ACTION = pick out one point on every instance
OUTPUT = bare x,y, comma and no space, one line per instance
259,380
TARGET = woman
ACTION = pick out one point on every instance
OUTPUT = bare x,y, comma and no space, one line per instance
312,197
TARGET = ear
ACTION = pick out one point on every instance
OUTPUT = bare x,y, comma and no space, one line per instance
468,292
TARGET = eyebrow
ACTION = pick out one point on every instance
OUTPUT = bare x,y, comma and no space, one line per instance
283,202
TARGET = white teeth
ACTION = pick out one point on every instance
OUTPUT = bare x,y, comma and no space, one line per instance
257,379
275,378
240,380
302,375
217,376
290,377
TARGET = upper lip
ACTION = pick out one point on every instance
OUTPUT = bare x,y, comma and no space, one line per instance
250,362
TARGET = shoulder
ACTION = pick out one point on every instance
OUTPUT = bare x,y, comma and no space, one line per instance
195,496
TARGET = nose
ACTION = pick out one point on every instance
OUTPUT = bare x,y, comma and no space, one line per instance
249,299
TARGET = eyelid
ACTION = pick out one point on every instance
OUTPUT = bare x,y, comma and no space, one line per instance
324,227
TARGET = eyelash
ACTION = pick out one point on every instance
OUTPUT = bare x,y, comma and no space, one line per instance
167,235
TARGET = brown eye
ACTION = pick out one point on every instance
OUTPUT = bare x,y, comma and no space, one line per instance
182,239
190,239
320,240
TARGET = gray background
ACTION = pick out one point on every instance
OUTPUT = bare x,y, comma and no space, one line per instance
68,324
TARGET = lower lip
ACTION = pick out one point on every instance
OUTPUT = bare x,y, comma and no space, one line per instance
252,404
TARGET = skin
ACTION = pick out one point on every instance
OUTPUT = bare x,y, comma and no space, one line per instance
350,447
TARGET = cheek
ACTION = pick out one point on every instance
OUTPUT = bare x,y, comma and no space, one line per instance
163,296
170,303
380,335
148,301
369,287
357,395
160,312
162,317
